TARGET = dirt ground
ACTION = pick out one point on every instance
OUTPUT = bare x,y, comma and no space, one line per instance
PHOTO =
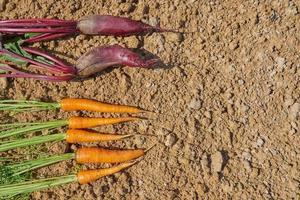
226,98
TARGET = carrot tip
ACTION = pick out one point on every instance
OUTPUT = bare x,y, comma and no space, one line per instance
147,150
148,112
129,164
127,136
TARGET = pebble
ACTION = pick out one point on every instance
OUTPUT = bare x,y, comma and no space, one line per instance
3,83
227,186
175,37
247,156
217,162
191,1
132,42
195,104
140,141
288,102
233,45
231,68
294,111
153,21
280,62
293,131
171,139
247,165
2,4
206,121
245,108
105,188
241,82
201,189
10,6
207,114
205,163
292,10
254,173
294,125
260,142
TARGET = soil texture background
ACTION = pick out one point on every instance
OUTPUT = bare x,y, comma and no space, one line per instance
226,98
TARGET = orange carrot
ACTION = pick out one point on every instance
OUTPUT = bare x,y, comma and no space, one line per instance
70,104
78,136
83,122
87,176
100,155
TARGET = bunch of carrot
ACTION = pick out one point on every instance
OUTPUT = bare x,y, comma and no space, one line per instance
18,34
10,183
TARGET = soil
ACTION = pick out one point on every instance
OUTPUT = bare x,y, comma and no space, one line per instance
226,98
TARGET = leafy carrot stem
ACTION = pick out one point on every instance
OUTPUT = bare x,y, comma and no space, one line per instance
31,141
13,173
25,105
30,186
22,128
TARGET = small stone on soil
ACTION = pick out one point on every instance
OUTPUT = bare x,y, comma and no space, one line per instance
247,156
170,140
2,4
259,142
205,163
175,37
294,111
217,162
195,104
3,83
280,62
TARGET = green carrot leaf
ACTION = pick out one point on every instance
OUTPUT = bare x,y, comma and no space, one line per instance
30,35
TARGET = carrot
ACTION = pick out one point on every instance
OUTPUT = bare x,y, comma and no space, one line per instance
66,104
78,136
99,155
71,136
96,155
8,172
70,104
83,122
8,130
87,176
8,191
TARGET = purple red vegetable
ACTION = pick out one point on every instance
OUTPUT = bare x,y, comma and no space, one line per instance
96,60
100,58
92,25
14,73
90,63
116,26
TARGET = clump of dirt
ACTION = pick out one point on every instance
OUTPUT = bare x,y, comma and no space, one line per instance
227,98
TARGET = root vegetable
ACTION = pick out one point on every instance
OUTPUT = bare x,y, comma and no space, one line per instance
83,177
9,130
71,136
91,25
97,60
103,57
66,104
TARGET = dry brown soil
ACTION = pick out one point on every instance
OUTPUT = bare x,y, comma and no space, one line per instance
227,98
